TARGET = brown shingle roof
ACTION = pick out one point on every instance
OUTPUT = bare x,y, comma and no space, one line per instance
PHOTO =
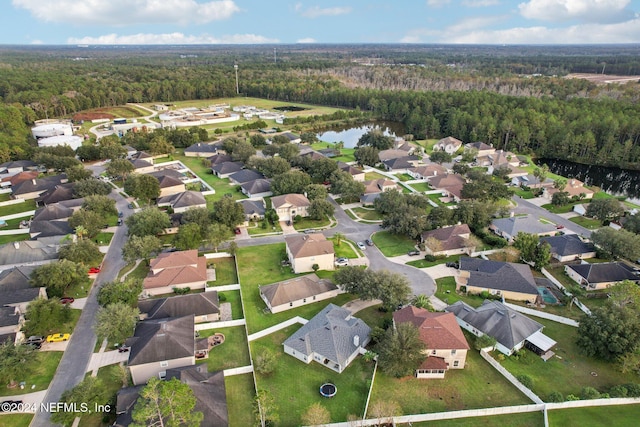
433,362
293,199
296,289
175,269
306,245
449,237
439,331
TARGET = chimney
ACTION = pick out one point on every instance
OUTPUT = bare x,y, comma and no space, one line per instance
356,340
33,181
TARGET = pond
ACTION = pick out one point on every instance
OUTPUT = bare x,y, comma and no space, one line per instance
351,135
614,181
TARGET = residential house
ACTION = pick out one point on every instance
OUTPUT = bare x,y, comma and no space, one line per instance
427,171
575,188
36,187
130,151
205,307
257,188
332,338
452,240
182,202
288,206
484,150
356,174
530,181
59,228
13,180
511,330
403,145
244,175
296,292
53,212
509,228
450,184
569,247
253,210
16,166
600,275
159,345
170,185
16,289
59,193
580,209
449,145
293,139
401,163
142,165
392,153
126,399
200,149
306,250
509,280
11,320
379,185
224,169
501,158
219,158
175,270
27,251
445,344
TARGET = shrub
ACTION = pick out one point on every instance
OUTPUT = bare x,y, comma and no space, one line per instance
633,390
222,297
525,380
555,396
429,257
571,397
496,241
483,342
182,291
589,393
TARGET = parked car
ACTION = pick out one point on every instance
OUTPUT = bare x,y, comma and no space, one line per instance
130,205
67,300
369,242
120,214
413,252
58,337
94,270
361,246
120,222
123,349
452,264
34,341
559,226
341,262
237,230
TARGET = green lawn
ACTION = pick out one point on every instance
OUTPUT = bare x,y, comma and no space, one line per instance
596,416
37,371
307,223
295,385
404,177
103,239
241,393
421,186
111,384
446,291
14,224
564,208
393,244
525,419
569,372
5,197
16,420
221,186
373,316
344,250
368,214
346,154
374,175
525,194
28,205
478,385
139,273
13,238
591,224
232,353
423,263
233,298
225,271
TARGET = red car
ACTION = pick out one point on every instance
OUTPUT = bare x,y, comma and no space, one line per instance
67,300
237,230
94,270
559,226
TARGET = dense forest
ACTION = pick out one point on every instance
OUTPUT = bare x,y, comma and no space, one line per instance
513,97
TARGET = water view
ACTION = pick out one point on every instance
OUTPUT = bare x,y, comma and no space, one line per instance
351,135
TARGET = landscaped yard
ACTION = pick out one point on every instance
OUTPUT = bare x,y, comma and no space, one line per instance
374,175
233,298
478,385
13,238
373,317
344,250
368,214
221,186
525,419
525,194
346,154
421,186
28,205
590,223
257,230
140,271
564,208
103,239
232,353
393,244
423,263
446,291
308,223
111,384
37,371
596,416
295,385
240,397
569,372
260,265
225,271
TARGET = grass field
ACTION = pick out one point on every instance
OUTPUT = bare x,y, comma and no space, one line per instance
225,271
233,298
596,416
13,238
232,353
103,238
591,224
446,291
393,244
346,154
308,223
374,175
344,250
241,393
421,186
37,371
423,263
221,186
564,208
294,384
368,214
310,110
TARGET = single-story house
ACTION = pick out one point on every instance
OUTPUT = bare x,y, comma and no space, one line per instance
448,241
484,150
52,212
296,292
288,206
501,158
40,229
257,188
444,341
11,320
244,175
427,171
401,163
142,165
600,275
205,307
449,145
392,153
32,189
253,210
170,186
332,338
511,330
59,193
175,270
200,149
379,185
531,181
306,250
219,158
293,139
126,399
16,289
159,345
224,169
27,251
574,187
507,279
569,247
183,201
510,227
450,184
13,180
356,174
16,166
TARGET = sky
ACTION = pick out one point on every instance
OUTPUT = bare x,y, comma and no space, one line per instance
62,22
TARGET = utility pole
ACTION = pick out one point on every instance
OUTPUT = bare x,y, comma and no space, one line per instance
235,66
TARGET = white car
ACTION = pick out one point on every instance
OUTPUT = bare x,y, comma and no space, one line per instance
361,246
341,262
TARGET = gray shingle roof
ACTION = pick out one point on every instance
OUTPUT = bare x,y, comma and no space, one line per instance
330,334
57,194
527,224
505,276
245,175
568,244
41,184
227,167
8,316
182,305
50,228
257,186
15,286
604,272
162,339
296,289
253,207
52,212
201,147
493,318
184,199
400,162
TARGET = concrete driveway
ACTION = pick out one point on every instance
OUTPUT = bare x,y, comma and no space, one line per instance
54,346
441,270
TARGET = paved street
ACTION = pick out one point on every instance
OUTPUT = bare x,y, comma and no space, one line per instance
527,207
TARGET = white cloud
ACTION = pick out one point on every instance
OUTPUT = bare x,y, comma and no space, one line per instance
472,24
128,12
420,35
317,11
480,3
307,40
603,11
437,3
36,41
172,38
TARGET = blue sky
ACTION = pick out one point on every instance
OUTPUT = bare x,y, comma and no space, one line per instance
315,21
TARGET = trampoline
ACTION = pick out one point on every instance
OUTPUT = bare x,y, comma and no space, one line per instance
328,390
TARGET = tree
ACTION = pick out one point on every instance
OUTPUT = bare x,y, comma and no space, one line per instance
617,243
126,292
319,209
339,238
401,351
59,276
91,221
257,140
142,187
376,138
265,409
624,294
189,236
343,183
440,157
90,187
541,173
367,156
103,205
266,362
147,222
321,169
385,410
216,234
411,222
632,223
167,403
391,288
308,138
90,392
200,216
119,168
440,216
227,212
469,154
422,301
293,181
12,361
288,151
605,209
531,250
116,321
271,166
609,332
560,183
316,192
316,415
83,251
160,145
77,173
242,151
44,316
560,198
144,247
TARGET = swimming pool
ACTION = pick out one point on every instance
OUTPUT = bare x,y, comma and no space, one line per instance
547,295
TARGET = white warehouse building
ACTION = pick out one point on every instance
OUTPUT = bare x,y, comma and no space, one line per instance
51,129
71,140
